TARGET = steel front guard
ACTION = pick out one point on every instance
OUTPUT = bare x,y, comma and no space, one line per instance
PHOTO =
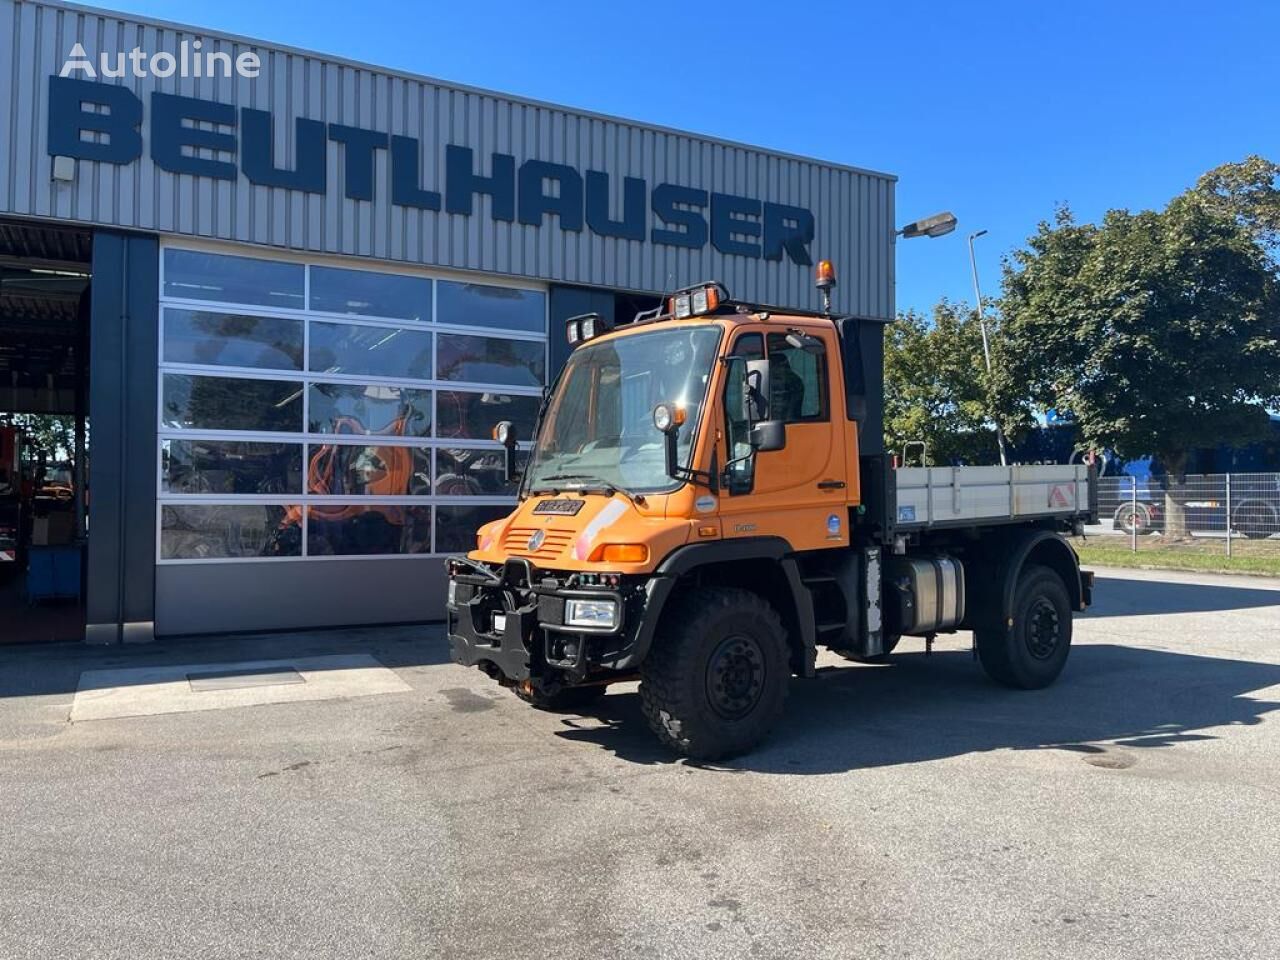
534,640
479,594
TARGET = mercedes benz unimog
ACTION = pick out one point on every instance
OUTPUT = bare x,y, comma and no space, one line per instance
708,501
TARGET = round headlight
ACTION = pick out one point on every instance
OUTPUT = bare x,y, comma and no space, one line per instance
663,417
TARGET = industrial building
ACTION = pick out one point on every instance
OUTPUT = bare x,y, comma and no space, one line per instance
287,296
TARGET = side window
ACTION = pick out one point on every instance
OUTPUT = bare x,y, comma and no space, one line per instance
797,382
750,346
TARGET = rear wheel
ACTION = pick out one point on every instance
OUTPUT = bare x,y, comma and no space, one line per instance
1032,652
564,700
1133,518
714,683
1256,521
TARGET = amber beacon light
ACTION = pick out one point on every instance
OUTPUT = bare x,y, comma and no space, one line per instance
824,280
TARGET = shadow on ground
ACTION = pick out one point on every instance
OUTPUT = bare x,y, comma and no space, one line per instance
1116,596
920,708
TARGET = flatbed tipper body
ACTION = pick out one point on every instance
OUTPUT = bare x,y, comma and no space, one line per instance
708,502
948,496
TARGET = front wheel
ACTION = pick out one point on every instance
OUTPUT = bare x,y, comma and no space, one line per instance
714,683
1031,653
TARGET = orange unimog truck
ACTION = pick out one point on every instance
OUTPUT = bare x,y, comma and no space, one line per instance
708,501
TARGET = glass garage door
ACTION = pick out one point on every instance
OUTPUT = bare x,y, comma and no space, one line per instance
313,410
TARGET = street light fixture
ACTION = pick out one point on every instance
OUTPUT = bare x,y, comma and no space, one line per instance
986,346
939,225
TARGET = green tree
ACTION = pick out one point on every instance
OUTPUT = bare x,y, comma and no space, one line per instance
936,386
1246,192
55,434
1157,330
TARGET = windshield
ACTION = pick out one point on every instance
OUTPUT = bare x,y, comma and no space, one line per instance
599,425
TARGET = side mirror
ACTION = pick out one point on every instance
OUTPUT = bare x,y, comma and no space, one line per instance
757,390
505,433
768,435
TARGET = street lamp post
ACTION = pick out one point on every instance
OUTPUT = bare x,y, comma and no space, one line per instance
986,346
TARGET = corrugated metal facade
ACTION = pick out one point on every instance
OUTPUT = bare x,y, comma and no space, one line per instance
853,209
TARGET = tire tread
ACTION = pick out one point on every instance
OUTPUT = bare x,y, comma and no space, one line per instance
674,657
997,645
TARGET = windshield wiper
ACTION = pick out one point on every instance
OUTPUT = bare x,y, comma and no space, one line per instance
538,488
609,489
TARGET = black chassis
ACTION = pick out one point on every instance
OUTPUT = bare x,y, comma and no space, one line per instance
535,645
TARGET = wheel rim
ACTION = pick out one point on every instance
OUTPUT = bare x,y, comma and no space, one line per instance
1044,629
735,676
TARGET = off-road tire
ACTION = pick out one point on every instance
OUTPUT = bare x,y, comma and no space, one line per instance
1031,653
715,680
564,700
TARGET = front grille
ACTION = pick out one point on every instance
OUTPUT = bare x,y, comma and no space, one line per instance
554,544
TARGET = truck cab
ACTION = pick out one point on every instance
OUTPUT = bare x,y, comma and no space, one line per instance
706,503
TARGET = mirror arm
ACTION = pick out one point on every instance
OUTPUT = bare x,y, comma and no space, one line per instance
676,472
671,453
735,461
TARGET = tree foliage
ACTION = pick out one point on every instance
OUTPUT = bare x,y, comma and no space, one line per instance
1158,330
1247,192
55,434
936,385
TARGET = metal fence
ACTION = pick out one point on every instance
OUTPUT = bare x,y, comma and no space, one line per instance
1208,513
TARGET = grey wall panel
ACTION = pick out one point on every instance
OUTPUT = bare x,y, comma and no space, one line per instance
852,208
122,411
221,597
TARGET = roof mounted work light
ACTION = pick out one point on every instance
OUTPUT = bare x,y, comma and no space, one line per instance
586,326
696,300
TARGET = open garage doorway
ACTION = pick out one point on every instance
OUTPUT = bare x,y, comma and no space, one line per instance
44,430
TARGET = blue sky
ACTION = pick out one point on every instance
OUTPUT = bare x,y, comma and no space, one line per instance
994,110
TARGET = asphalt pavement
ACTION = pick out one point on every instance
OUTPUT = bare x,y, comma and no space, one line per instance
907,810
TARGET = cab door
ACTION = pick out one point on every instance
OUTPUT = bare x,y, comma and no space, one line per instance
796,493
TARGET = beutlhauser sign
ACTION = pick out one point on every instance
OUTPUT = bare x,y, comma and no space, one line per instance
207,138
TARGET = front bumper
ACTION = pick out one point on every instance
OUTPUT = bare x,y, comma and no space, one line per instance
534,643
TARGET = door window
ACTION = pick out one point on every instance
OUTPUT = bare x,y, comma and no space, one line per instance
797,382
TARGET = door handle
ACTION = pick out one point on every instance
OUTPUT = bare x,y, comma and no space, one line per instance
831,485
